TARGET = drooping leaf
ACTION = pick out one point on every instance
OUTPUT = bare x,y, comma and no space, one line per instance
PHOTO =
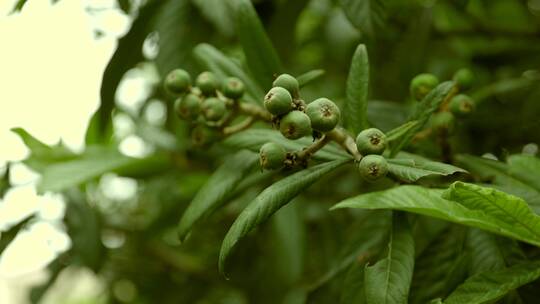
486,287
365,15
411,170
253,140
261,57
400,131
269,201
94,162
215,61
429,202
355,111
309,77
388,281
217,189
502,178
424,109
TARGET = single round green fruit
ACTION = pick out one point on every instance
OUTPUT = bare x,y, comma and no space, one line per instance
177,82
371,141
287,82
422,84
203,136
324,114
233,88
208,83
373,167
278,101
295,125
443,121
188,106
461,105
272,156
213,109
464,79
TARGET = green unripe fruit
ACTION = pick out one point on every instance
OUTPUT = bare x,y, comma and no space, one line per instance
278,101
462,105
203,136
371,141
443,121
177,81
208,83
373,167
233,88
287,82
272,156
324,114
295,125
422,84
188,106
464,79
213,109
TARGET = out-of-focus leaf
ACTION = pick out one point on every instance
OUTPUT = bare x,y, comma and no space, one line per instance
441,267
352,290
8,236
269,201
388,281
489,286
365,15
94,162
5,182
525,168
474,208
411,170
261,57
217,13
400,131
217,189
355,109
255,138
501,87
215,61
423,112
387,115
309,77
502,178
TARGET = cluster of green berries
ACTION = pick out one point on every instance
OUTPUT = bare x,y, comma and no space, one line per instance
371,143
206,103
294,118
459,105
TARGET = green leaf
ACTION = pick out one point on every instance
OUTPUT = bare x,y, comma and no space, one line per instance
253,140
217,189
487,287
411,170
485,252
401,131
6,237
5,183
499,205
261,57
365,15
353,289
309,77
501,87
525,168
355,109
429,202
18,6
423,112
217,13
214,60
94,162
269,201
388,281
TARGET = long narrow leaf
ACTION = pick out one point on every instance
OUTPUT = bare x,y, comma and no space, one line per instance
355,114
269,201
411,170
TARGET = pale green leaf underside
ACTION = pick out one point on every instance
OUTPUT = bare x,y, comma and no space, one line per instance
269,201
217,189
411,170
489,286
310,76
429,202
400,131
389,280
253,139
355,112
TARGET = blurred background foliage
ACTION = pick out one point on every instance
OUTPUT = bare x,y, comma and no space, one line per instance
304,252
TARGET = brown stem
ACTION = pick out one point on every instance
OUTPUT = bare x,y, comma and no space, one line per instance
342,138
255,111
246,123
310,150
